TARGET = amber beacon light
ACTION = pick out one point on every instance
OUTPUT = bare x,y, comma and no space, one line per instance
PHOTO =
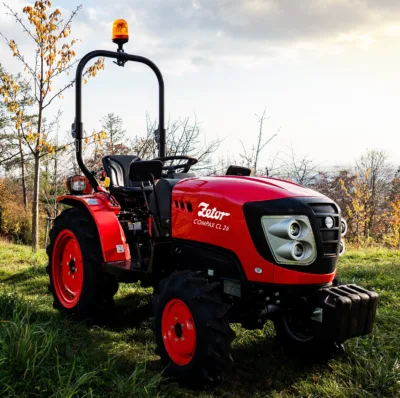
120,31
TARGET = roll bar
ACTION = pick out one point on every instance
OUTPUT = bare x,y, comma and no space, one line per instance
121,58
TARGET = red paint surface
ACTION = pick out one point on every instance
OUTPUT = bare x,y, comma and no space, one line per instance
110,230
228,195
67,283
180,346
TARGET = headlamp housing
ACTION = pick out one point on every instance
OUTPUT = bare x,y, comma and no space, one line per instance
78,185
290,239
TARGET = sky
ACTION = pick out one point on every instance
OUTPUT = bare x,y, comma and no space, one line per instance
326,71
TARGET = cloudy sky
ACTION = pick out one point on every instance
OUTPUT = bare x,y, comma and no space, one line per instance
327,71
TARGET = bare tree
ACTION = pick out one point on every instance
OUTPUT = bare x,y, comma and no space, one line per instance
251,157
183,136
375,172
112,125
300,169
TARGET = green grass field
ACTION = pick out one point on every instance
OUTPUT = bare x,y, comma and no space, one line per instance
42,355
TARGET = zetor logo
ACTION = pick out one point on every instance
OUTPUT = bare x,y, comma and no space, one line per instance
208,213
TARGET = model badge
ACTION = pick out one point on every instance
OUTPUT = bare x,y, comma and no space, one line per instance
211,213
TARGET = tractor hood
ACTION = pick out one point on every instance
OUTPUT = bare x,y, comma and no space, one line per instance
244,189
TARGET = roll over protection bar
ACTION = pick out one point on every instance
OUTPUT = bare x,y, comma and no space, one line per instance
121,58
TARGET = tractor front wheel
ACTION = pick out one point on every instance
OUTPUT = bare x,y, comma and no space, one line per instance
291,329
296,334
78,286
192,328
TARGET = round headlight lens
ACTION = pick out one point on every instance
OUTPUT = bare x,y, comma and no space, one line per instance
329,222
298,251
343,227
294,230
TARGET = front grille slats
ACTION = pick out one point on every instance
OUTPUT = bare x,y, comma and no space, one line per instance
330,236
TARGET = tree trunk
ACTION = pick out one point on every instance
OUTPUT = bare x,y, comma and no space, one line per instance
23,178
35,205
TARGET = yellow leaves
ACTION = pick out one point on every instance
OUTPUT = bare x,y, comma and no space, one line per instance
84,81
86,140
92,70
30,138
13,47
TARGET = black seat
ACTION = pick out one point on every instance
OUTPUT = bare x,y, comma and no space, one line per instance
117,168
145,170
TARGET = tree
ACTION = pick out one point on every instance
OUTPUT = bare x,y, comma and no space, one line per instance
251,157
12,144
54,56
112,125
183,136
300,169
377,174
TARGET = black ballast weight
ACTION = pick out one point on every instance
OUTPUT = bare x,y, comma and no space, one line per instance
347,311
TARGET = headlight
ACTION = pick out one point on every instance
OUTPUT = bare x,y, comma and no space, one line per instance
343,227
329,222
290,239
77,184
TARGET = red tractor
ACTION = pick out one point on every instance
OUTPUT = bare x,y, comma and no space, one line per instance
216,250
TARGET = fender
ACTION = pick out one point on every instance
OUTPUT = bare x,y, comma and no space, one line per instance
104,214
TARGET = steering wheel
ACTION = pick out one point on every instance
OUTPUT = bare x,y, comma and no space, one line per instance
184,166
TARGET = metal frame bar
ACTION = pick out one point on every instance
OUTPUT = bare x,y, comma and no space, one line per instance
121,58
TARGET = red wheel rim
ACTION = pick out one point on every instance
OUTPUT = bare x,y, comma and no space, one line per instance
67,269
178,332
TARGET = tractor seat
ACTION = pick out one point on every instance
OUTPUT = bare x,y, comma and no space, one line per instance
117,168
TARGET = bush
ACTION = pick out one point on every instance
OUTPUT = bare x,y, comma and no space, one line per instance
15,221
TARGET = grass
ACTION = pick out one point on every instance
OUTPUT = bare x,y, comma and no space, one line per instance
42,355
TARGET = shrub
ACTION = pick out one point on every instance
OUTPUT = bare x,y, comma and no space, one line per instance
15,221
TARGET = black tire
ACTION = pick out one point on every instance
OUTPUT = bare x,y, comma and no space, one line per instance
213,334
289,331
98,288
295,336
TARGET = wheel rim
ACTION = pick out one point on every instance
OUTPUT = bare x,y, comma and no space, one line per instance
67,269
179,332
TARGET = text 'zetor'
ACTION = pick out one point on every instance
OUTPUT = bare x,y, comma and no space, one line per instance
208,213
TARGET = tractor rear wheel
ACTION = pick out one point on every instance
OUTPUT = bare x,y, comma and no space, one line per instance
192,328
78,286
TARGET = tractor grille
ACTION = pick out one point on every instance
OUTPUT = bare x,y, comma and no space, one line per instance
330,236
